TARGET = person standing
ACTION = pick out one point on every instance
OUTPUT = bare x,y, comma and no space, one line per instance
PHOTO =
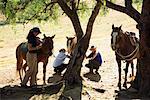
31,57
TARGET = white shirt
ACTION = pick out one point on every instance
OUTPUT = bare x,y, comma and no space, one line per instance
59,59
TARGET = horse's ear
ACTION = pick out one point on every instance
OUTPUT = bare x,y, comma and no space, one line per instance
67,37
112,26
120,27
44,35
53,36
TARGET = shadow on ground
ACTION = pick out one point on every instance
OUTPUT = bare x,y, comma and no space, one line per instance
55,89
93,76
19,93
130,94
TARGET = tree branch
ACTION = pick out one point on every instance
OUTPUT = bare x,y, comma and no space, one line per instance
72,14
65,8
129,10
92,19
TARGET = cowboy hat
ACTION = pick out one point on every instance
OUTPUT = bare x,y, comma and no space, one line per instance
93,48
36,29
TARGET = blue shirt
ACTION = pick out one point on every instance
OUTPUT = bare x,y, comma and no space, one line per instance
59,59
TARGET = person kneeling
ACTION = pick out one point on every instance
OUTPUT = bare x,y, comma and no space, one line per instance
95,60
59,64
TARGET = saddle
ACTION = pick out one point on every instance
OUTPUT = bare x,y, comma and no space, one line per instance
134,40
24,47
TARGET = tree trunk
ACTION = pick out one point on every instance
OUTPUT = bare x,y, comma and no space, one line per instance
72,74
144,64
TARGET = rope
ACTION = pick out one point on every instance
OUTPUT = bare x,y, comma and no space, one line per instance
130,56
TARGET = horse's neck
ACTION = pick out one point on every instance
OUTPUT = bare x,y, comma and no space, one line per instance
44,49
71,45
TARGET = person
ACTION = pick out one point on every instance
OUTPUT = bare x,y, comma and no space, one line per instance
59,64
31,57
95,60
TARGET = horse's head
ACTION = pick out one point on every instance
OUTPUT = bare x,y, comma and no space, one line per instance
116,37
48,44
70,43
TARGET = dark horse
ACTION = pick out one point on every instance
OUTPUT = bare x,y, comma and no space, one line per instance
71,43
43,55
126,47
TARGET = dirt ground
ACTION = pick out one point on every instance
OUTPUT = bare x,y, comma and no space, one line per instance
102,86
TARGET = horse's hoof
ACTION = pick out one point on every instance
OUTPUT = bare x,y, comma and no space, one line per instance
44,83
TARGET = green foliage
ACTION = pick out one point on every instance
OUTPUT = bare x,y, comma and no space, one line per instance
37,10
138,4
7,9
29,10
84,9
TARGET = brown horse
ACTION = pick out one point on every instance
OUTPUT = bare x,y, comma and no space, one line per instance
71,43
43,55
126,47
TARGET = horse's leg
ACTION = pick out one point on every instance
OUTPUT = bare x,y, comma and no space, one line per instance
126,71
20,76
119,71
24,67
19,66
44,71
132,66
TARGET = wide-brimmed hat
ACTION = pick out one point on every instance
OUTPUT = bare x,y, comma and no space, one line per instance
93,48
36,29
62,50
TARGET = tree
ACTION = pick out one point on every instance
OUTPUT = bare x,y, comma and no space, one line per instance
142,79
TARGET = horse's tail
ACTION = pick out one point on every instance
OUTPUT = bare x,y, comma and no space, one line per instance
19,59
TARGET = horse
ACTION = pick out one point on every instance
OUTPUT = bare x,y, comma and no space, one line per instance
126,47
71,43
42,56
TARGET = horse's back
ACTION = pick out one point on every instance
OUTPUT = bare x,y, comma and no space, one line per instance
21,50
